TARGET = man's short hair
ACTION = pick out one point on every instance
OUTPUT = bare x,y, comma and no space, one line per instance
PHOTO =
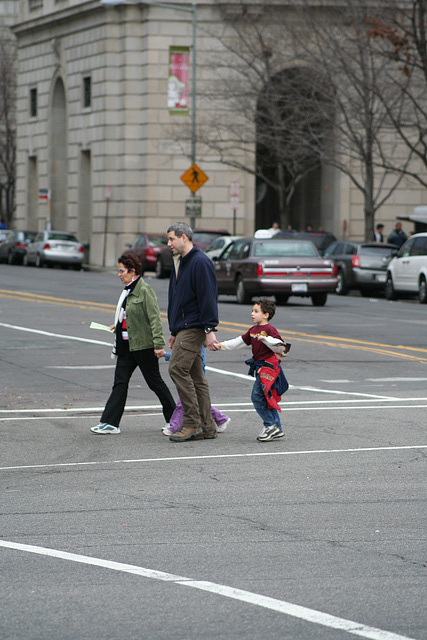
130,260
380,226
267,306
181,227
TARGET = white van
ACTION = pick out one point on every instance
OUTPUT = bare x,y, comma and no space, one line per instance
407,271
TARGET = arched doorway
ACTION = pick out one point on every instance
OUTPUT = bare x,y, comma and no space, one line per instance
58,157
288,163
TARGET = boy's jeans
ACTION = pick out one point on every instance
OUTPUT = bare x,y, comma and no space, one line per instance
268,416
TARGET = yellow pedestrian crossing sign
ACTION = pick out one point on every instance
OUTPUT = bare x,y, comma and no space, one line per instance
194,178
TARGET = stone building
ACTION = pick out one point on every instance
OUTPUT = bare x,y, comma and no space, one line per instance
94,130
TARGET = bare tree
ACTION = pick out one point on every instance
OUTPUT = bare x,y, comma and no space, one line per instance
298,84
400,34
7,126
249,117
362,131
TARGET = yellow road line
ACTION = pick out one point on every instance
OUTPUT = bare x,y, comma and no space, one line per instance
236,328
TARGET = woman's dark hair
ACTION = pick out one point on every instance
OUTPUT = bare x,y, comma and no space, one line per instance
131,261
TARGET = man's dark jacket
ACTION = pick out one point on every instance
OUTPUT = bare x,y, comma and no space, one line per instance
193,294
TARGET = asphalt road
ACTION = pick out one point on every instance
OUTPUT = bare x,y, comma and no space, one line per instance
318,536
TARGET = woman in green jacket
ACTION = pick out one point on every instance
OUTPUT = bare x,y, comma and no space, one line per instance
139,339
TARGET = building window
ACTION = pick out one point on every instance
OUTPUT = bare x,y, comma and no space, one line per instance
33,5
33,103
87,92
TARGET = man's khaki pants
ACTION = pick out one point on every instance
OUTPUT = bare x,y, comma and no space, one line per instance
186,371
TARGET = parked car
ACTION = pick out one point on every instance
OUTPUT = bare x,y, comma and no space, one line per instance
201,237
407,272
55,247
361,265
4,234
147,247
320,239
217,246
14,248
281,267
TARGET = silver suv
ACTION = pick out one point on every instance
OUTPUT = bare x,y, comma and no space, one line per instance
407,272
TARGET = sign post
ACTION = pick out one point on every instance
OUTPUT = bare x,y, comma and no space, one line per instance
194,178
44,194
234,201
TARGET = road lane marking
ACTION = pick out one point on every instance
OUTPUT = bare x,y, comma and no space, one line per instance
332,341
55,335
281,606
208,368
291,405
214,456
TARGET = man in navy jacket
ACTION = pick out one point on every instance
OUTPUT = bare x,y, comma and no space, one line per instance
193,317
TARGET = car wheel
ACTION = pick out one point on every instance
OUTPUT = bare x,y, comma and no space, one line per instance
341,289
39,261
25,260
319,299
422,291
281,298
242,295
160,269
9,258
389,291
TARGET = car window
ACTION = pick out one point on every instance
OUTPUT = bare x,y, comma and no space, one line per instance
225,255
419,248
385,252
139,242
29,235
155,241
204,237
336,248
284,248
350,249
62,236
216,244
407,248
233,251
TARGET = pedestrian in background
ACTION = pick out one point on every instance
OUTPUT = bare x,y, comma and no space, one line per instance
193,317
138,340
397,236
378,234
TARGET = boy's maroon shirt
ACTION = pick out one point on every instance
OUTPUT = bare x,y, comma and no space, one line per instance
259,350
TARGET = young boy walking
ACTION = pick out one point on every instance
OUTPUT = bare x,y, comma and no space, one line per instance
270,382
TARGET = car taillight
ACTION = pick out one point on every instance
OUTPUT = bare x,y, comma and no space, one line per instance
20,245
335,270
149,252
46,246
355,261
259,270
82,249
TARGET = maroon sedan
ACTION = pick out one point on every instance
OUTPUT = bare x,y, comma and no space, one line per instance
275,267
147,247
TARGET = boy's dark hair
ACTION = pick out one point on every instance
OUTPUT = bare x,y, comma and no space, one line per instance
130,260
267,306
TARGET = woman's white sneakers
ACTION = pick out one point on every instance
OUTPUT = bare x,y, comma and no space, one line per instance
103,428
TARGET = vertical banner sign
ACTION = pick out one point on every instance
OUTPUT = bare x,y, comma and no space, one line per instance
178,100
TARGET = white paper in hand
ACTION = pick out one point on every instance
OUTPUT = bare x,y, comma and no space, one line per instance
101,327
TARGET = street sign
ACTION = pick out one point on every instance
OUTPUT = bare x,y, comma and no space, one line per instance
194,178
193,207
234,194
44,194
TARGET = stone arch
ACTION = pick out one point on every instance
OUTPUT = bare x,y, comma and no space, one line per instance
58,156
289,171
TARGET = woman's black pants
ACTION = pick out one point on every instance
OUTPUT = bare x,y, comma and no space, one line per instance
126,364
